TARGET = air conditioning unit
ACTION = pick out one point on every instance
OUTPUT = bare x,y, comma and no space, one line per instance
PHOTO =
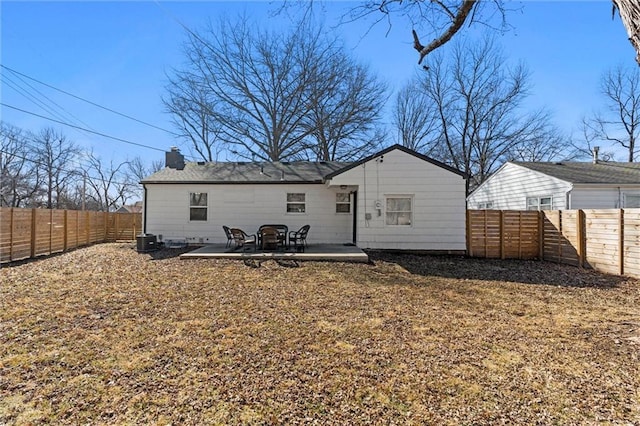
146,243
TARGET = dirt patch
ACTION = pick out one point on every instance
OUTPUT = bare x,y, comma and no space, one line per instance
106,335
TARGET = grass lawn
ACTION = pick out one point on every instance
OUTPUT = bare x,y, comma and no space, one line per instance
104,335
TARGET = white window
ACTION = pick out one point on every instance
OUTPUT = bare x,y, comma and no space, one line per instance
631,201
398,210
539,203
198,206
343,202
296,202
485,205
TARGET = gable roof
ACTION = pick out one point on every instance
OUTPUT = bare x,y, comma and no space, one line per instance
587,172
134,208
400,148
276,172
246,172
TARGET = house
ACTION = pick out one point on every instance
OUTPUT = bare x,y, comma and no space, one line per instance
559,186
133,208
395,199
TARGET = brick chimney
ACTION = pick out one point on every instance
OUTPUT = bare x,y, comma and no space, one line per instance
173,159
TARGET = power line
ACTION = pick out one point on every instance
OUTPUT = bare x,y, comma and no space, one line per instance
42,95
89,102
81,128
61,169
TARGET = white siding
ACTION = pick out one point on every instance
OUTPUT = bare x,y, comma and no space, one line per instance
438,194
246,207
600,198
510,186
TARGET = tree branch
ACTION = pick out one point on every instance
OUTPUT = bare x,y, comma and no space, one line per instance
456,24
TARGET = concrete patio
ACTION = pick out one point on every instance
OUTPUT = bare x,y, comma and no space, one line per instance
327,252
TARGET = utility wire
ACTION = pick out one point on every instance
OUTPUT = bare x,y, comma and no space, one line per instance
61,169
90,102
29,96
42,95
82,128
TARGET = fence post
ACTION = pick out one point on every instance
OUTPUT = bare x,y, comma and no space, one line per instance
106,227
540,235
621,241
50,231
33,233
581,236
87,227
468,225
501,231
11,224
117,225
65,227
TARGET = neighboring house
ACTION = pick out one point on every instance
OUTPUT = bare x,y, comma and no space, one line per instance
395,199
559,186
134,208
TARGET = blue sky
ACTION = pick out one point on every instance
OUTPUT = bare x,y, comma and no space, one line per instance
117,54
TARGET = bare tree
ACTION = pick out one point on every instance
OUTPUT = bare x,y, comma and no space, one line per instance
619,124
19,176
440,20
476,100
193,116
139,170
257,81
345,102
55,155
588,145
109,184
415,118
545,143
274,95
437,21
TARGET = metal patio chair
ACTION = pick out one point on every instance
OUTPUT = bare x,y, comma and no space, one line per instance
299,238
243,240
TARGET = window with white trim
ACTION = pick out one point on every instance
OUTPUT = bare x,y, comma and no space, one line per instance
343,202
631,201
485,205
398,211
539,203
198,206
296,202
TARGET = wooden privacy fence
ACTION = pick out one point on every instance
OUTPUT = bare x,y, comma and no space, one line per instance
606,240
27,233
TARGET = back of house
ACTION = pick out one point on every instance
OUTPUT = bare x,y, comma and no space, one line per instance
394,199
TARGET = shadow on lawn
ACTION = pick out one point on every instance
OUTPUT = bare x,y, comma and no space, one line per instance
168,253
518,271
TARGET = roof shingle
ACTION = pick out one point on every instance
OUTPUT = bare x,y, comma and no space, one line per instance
247,172
588,172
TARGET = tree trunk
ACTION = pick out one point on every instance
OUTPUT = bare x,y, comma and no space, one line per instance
629,11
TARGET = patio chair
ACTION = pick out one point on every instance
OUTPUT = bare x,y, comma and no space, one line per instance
269,238
299,238
283,230
242,239
228,234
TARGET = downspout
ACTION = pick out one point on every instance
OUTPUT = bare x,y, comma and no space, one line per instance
355,218
568,199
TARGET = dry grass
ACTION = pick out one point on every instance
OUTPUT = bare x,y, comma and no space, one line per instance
104,335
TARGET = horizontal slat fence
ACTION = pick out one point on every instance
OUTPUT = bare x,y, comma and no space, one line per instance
27,233
505,234
605,240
